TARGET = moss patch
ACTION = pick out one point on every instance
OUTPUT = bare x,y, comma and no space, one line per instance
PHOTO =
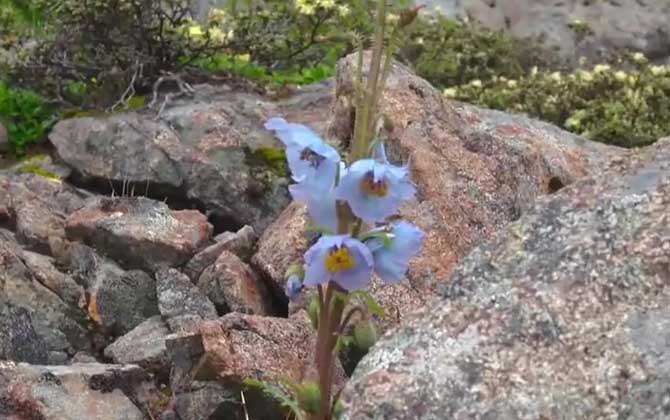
38,170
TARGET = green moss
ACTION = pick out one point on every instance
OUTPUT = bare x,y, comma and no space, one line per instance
270,158
33,168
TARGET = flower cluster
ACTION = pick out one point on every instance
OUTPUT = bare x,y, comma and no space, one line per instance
372,188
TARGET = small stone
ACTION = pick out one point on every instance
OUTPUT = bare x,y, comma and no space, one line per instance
233,287
240,243
74,392
120,300
18,340
143,346
177,296
139,233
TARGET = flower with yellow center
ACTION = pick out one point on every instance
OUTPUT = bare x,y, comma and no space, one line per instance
339,258
374,189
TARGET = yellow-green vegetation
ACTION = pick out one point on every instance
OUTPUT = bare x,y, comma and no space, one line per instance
449,53
621,107
36,169
270,158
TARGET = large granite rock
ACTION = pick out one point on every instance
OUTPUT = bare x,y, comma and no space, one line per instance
139,233
76,392
210,151
563,315
476,171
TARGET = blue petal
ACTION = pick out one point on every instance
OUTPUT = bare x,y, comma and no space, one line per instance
301,142
293,287
358,276
392,262
315,269
379,152
368,207
321,206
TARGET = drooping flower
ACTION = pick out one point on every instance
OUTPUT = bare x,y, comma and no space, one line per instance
374,189
392,258
321,204
310,159
340,258
293,286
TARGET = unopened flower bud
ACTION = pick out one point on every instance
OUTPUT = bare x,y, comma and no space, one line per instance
365,334
309,397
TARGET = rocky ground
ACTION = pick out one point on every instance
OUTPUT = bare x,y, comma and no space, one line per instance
141,266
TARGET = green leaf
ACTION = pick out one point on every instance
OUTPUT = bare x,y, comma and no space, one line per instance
370,302
276,393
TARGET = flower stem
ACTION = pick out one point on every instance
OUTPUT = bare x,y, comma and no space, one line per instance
329,322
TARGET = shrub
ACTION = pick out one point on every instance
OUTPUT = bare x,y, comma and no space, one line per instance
448,53
281,34
623,108
103,46
26,116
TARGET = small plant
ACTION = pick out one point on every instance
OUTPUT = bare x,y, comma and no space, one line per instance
349,201
26,116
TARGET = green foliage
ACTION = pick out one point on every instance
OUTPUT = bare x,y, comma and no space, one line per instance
276,393
91,52
623,108
448,52
25,115
281,34
242,67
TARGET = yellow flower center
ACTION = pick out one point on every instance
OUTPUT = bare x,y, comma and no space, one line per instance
371,187
339,259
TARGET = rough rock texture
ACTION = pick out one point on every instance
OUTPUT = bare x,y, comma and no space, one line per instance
37,207
281,245
178,298
139,232
476,171
120,300
46,272
62,327
208,400
240,243
634,24
235,347
76,392
234,287
143,346
563,315
18,340
207,151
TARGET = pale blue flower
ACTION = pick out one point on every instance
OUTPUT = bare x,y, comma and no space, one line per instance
340,258
310,159
392,258
320,204
293,287
374,189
